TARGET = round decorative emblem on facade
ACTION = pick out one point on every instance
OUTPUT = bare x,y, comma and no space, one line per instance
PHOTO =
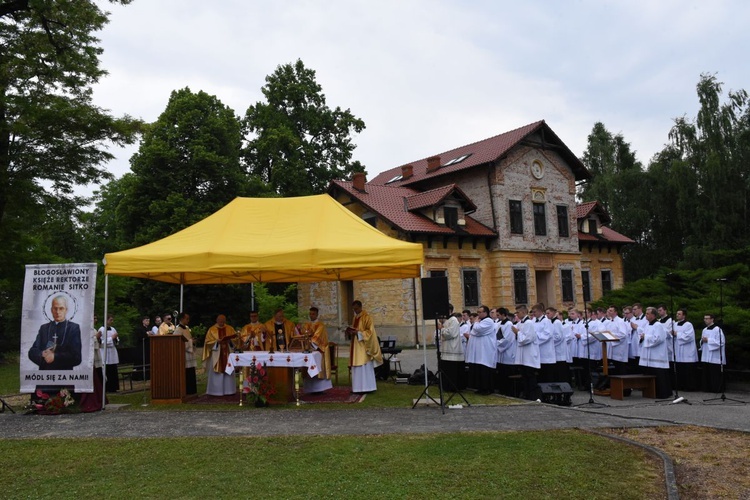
537,169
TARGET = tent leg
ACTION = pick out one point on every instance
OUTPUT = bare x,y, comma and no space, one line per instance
104,340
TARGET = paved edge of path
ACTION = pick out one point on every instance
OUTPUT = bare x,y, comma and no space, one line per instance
670,479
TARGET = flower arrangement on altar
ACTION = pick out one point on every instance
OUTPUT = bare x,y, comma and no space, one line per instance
43,403
257,386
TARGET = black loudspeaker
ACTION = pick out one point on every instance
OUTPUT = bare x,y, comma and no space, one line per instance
556,393
435,297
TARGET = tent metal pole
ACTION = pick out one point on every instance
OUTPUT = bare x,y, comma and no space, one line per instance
104,341
424,340
338,305
252,296
182,289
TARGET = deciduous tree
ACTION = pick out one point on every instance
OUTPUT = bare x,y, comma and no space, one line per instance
298,144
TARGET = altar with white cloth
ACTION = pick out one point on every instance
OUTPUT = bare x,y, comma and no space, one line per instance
310,360
283,369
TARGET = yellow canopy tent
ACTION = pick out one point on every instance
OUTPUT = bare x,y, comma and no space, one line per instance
303,239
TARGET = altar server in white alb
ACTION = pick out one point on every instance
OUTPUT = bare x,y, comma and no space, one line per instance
618,350
654,356
481,355
685,352
713,354
506,353
527,352
561,372
545,340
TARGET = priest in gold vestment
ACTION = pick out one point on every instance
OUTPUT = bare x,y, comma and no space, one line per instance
319,342
254,336
364,351
281,329
216,351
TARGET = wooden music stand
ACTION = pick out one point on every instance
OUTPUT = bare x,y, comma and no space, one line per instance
604,337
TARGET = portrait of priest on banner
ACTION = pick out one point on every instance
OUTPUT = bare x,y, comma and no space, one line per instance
58,342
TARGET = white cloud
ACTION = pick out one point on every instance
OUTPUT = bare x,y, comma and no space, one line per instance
427,76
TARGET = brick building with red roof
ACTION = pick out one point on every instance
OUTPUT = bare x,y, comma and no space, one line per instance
498,217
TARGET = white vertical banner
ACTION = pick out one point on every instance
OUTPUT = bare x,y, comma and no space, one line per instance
57,326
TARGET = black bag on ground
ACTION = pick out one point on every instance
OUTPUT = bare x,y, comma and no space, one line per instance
417,378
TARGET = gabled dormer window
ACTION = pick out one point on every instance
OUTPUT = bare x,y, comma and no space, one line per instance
593,226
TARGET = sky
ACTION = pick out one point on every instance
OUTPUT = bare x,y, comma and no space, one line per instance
427,76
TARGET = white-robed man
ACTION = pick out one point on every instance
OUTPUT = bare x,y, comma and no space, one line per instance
713,354
527,352
481,355
578,331
562,372
591,348
685,352
654,356
506,353
364,351
618,350
452,352
545,339
636,320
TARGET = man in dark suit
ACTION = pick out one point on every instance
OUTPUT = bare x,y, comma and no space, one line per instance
58,343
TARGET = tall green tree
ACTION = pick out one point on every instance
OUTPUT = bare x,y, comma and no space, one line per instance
620,184
52,136
712,177
298,144
50,130
186,168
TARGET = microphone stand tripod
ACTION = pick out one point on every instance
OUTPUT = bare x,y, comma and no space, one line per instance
4,406
723,396
591,401
438,380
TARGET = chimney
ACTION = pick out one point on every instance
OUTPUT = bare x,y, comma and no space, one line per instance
433,163
407,171
358,181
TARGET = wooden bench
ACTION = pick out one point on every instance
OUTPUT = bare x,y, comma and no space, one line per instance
125,372
618,384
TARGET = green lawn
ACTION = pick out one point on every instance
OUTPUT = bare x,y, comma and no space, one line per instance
528,465
9,375
559,464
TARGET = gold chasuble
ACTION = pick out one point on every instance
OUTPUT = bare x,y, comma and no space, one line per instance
362,351
222,335
319,339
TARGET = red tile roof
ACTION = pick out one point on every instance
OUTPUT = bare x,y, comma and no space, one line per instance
435,196
390,203
608,235
481,153
583,210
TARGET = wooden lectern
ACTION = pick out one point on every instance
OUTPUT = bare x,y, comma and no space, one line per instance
167,369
